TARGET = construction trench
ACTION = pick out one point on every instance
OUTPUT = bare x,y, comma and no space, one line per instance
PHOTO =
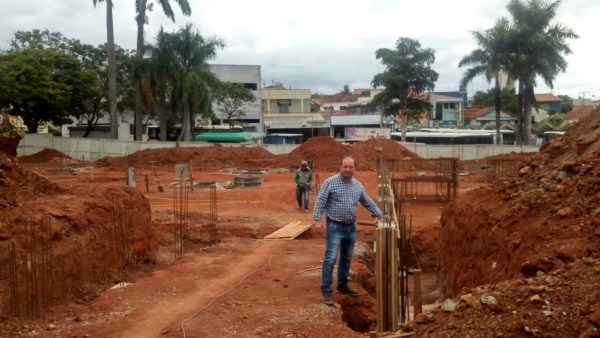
524,230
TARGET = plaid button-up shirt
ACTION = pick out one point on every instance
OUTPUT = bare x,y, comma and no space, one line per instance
339,199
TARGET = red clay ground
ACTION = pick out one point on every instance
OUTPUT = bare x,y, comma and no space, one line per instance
530,241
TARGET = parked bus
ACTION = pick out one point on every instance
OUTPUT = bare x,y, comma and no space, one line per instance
506,136
549,135
429,137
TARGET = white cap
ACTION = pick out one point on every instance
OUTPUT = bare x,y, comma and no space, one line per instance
303,163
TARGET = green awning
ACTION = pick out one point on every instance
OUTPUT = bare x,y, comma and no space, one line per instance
229,137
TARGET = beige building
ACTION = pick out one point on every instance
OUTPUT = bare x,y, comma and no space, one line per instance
288,111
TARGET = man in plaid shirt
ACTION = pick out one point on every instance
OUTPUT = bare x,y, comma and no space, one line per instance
338,197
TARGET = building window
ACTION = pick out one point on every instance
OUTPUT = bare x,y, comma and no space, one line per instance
284,109
284,105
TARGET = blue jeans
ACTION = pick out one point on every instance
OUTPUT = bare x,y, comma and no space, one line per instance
337,238
302,196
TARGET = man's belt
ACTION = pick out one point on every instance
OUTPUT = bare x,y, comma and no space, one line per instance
329,220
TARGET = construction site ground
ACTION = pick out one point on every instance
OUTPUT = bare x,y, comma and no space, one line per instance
516,257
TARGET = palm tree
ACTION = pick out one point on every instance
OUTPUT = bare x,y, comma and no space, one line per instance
112,70
489,60
141,6
160,67
536,48
194,79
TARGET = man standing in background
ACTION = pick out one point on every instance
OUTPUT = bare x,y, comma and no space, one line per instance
303,180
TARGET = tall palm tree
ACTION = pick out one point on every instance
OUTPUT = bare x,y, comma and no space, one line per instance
537,48
141,6
489,60
160,68
194,79
112,70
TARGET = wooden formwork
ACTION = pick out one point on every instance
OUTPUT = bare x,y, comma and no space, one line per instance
386,271
424,180
393,255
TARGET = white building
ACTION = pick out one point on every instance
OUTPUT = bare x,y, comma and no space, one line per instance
250,77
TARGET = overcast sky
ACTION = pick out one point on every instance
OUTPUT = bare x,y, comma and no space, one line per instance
320,45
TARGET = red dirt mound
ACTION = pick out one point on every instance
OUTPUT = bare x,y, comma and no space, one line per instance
43,156
81,230
9,141
210,158
545,218
327,153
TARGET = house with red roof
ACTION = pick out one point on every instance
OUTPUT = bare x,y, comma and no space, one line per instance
548,102
480,117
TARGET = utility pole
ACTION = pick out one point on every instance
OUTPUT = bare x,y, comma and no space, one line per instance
583,98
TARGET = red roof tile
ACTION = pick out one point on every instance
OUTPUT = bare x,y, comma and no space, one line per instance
472,113
546,97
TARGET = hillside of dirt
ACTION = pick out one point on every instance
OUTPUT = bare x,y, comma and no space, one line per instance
76,224
534,233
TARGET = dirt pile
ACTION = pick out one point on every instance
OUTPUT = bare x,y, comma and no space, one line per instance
210,158
562,303
544,220
9,141
326,153
81,232
44,156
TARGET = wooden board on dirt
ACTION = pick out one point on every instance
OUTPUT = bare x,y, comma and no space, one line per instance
290,231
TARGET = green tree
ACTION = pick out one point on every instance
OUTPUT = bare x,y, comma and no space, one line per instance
566,103
193,78
345,90
536,48
230,98
94,59
406,77
487,60
45,85
508,97
141,6
159,71
112,69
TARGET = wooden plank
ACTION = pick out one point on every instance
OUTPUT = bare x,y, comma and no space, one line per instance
282,230
300,230
290,231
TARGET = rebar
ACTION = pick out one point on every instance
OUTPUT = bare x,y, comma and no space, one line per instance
213,215
123,238
13,281
181,215
38,267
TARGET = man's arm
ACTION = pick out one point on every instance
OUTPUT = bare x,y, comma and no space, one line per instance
368,203
297,178
321,200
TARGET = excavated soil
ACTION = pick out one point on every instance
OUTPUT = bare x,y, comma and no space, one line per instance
532,241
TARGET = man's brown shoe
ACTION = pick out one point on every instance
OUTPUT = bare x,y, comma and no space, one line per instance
327,299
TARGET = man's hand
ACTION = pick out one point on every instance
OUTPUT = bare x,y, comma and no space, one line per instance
320,225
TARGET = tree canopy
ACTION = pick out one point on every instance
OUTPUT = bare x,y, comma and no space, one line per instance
230,99
406,77
45,85
488,98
